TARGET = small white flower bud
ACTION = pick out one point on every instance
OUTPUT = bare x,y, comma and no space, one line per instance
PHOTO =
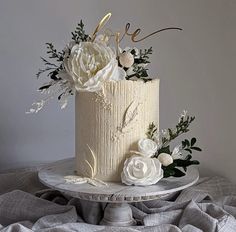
165,159
126,59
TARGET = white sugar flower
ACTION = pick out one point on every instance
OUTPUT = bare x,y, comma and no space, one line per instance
126,59
176,153
147,147
165,159
183,115
91,64
141,171
157,138
165,134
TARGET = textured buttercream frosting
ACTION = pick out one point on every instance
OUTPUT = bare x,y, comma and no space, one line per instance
110,123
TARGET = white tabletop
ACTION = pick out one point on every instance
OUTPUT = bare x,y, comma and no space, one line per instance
53,177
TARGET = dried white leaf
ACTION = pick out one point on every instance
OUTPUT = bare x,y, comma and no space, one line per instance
92,165
72,179
130,115
89,170
94,160
75,179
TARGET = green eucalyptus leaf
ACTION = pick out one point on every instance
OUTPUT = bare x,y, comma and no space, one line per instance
195,162
193,141
196,148
187,142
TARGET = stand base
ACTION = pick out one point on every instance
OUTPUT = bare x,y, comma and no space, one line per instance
118,214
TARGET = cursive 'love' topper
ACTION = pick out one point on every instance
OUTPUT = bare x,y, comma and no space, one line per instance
132,35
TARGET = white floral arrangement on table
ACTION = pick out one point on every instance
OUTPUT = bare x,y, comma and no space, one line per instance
88,61
154,159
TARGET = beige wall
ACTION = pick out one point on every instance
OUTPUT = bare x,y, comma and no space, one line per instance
196,68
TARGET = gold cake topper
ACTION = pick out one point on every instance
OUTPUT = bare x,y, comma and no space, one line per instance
100,25
133,35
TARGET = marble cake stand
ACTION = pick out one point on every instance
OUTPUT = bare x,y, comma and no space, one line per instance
117,195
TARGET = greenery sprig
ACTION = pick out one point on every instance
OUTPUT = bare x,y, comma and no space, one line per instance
79,34
144,56
54,54
179,166
173,169
189,146
152,130
50,67
140,61
181,128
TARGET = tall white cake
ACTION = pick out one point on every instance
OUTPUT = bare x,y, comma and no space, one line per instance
116,109
109,124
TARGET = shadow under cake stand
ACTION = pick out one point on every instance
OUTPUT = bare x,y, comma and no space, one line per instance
117,195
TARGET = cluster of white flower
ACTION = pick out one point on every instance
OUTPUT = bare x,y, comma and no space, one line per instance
140,169
144,169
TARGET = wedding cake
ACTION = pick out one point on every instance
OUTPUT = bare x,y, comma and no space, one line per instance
117,136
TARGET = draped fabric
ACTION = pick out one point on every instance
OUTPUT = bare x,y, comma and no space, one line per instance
26,205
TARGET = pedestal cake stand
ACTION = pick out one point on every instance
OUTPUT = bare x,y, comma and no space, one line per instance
117,195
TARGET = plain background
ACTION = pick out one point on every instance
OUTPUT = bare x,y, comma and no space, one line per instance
196,68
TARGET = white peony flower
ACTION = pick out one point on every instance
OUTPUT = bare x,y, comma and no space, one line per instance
165,159
176,153
91,64
142,171
147,147
126,59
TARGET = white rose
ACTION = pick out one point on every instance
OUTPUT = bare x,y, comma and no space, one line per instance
91,64
165,159
147,147
142,171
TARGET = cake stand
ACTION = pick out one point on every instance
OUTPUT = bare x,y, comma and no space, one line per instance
117,195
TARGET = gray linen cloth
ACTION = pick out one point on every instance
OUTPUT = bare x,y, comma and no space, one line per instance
26,205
